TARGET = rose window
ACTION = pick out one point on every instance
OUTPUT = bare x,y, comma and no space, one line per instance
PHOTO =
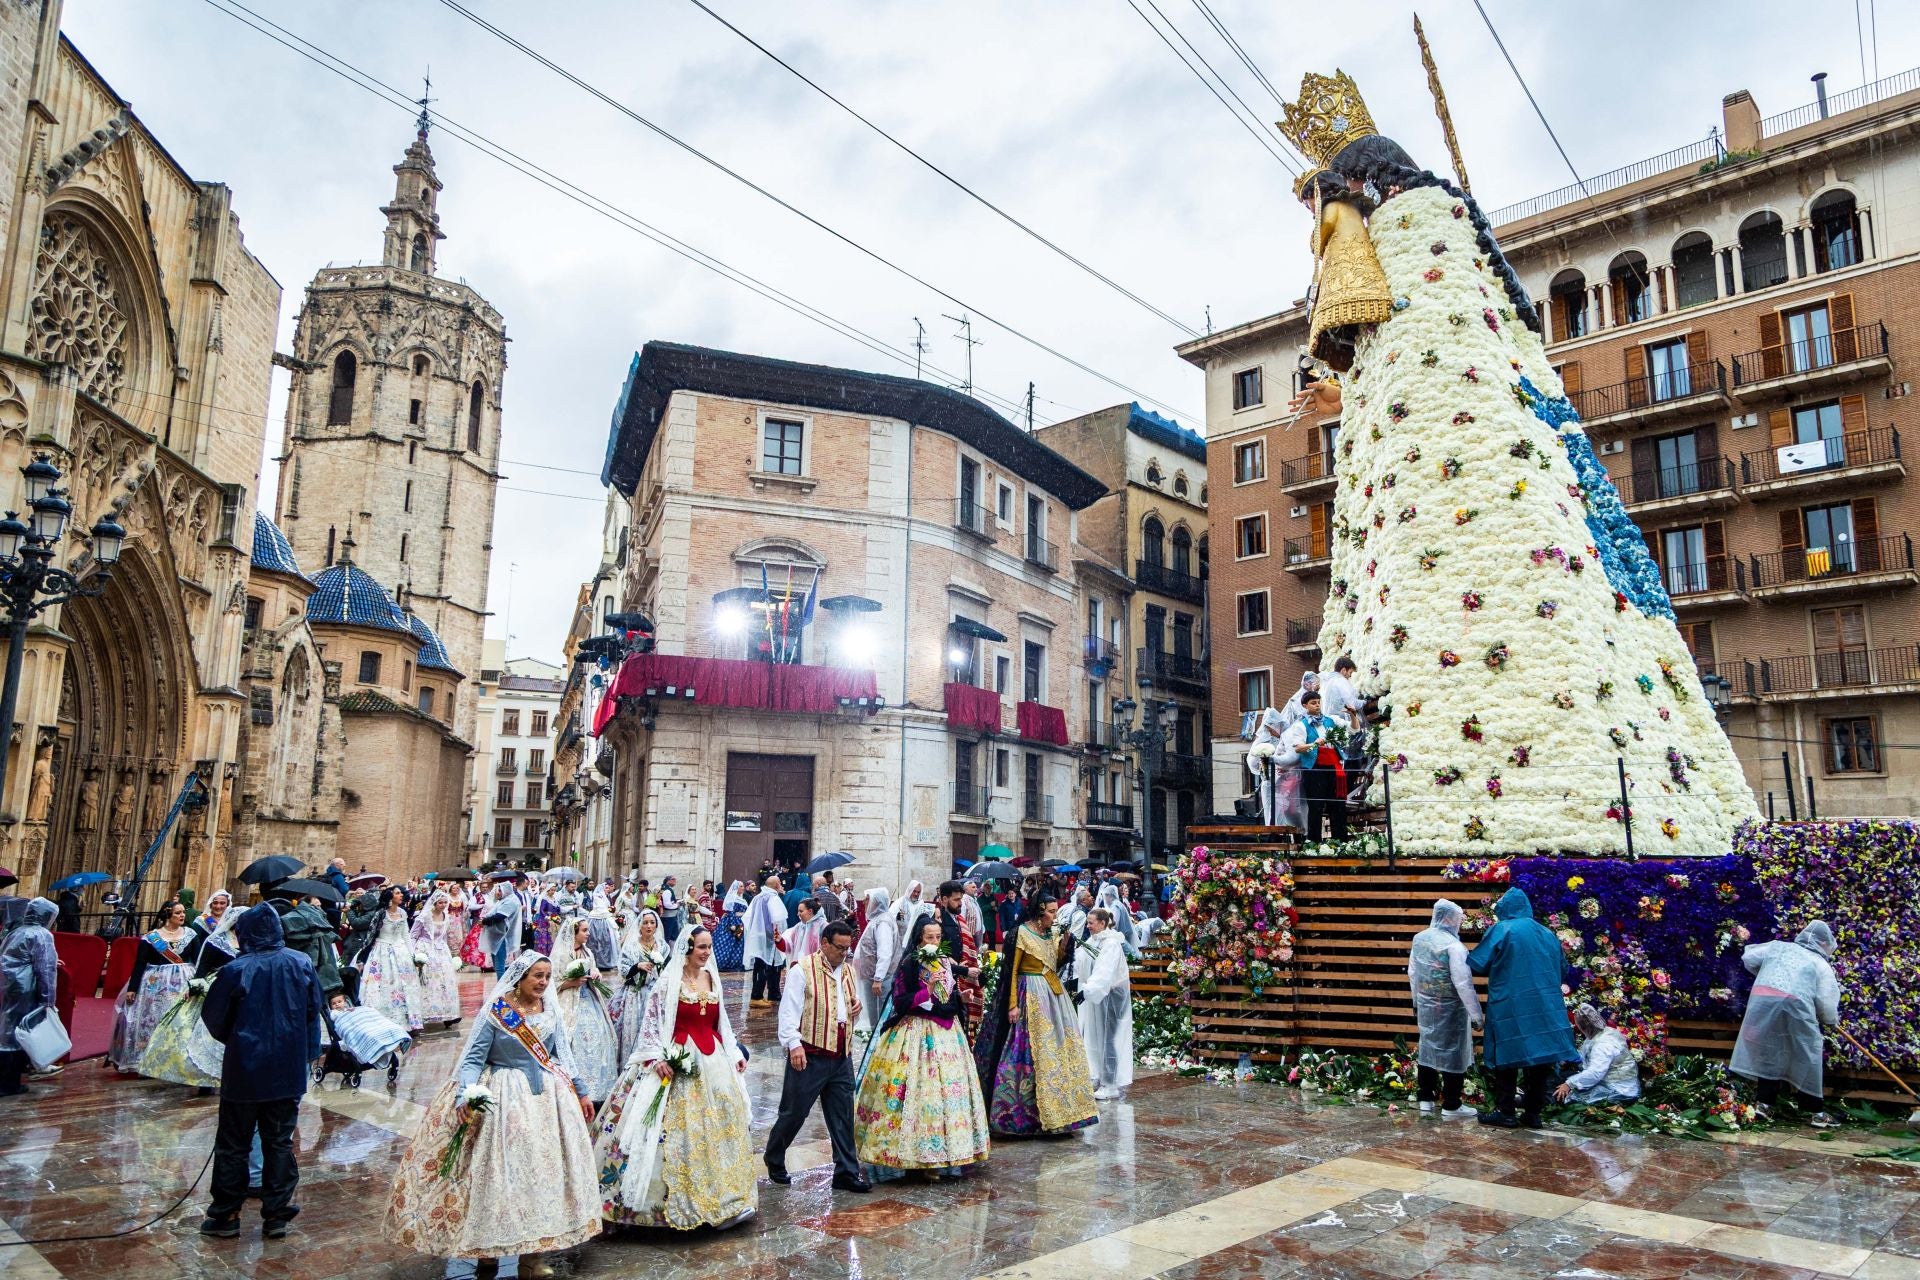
77,317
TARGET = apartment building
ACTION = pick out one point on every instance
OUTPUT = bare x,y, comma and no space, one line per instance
1152,527
518,706
1733,320
867,622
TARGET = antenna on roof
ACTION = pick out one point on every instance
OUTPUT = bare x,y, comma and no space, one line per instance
1029,408
965,335
425,119
919,344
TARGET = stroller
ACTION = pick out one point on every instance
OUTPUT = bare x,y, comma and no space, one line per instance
362,1040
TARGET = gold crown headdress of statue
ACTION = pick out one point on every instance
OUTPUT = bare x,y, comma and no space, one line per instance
1329,114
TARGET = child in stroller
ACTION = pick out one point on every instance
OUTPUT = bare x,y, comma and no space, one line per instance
361,1040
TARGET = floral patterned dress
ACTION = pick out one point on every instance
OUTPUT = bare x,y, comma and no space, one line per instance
919,1104
1041,1083
439,980
389,981
160,983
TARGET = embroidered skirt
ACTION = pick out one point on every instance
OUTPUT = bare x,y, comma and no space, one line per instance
181,1049
705,1174
1042,1084
439,984
140,1012
919,1104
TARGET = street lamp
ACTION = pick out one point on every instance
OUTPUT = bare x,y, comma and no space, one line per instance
1145,733
29,581
1719,692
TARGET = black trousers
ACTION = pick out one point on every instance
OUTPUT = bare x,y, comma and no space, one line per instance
1534,1097
279,1175
1445,1085
1768,1092
830,1082
1321,790
766,980
13,1066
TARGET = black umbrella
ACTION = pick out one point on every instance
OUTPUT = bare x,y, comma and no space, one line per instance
459,873
310,889
828,862
275,866
993,871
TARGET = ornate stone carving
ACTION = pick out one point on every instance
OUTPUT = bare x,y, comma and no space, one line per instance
40,792
88,816
13,409
123,805
79,318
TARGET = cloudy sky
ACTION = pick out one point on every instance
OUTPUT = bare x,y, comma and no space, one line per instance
1072,115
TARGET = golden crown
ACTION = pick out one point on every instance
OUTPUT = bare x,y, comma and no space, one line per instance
1329,115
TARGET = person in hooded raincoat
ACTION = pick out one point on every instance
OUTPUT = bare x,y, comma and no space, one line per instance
29,970
766,920
1106,1012
1795,995
1527,1029
1608,1073
1448,1009
265,1008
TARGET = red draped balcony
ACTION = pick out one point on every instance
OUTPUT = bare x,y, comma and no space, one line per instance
970,707
734,682
1038,722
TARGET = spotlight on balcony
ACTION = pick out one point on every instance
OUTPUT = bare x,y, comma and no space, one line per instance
730,620
956,655
856,646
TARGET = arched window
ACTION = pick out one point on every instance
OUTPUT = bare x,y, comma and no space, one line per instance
1763,252
1694,279
1569,294
420,366
1154,477
1180,486
1182,552
419,260
473,419
1153,542
340,399
1836,232
1632,298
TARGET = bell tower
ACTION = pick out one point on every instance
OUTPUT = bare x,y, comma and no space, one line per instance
413,219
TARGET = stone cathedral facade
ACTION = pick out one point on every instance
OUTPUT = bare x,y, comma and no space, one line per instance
393,426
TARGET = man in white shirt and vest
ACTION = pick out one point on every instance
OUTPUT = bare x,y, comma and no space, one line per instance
818,1011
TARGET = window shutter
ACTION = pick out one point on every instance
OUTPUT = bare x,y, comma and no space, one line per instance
1780,427
1853,429
1699,350
1793,546
1318,521
1826,630
1853,627
1645,484
1652,538
1699,640
1713,539
1570,378
1866,534
1619,295
1840,321
1636,375
1559,310
1706,447
1772,354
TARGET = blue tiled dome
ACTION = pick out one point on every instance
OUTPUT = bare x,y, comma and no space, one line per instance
271,550
433,654
343,593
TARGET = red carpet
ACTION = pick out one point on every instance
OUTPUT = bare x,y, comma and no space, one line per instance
92,1029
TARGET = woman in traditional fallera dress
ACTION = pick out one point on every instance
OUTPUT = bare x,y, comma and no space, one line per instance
643,958
1032,1063
181,1049
729,935
681,1160
160,977
919,1104
584,1014
389,979
435,930
523,1181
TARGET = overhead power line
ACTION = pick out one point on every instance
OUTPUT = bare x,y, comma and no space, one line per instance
1247,117
593,90
807,80
1238,52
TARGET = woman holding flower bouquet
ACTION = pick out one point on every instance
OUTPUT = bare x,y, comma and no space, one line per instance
584,999
434,933
182,1050
672,1143
389,978
1032,1061
501,1164
643,958
919,1104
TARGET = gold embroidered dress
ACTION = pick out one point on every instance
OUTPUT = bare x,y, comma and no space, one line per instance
1040,1082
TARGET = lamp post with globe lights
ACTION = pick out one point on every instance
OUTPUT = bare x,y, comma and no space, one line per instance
30,583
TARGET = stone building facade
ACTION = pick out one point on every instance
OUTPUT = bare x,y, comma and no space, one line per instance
913,705
520,704
136,335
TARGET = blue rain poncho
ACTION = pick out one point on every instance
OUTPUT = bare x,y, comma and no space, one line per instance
1524,968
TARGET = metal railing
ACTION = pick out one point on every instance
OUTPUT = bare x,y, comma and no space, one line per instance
1811,355
970,800
1853,449
1817,564
1709,476
1698,577
970,515
1839,669
506,768
1301,551
1102,735
1102,814
1318,465
1174,768
1702,378
1161,664
1097,649
1840,103
1168,581
1042,553
1302,631
1038,808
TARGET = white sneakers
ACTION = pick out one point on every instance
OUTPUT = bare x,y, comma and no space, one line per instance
1461,1112
1426,1108
1106,1093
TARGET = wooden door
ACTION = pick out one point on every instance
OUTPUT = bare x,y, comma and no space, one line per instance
769,809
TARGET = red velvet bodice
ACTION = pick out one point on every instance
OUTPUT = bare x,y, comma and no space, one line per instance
698,1024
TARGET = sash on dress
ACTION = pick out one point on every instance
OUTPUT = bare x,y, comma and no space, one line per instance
509,1020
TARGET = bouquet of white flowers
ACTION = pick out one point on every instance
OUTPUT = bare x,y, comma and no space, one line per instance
583,968
478,1100
684,1065
1262,751
419,959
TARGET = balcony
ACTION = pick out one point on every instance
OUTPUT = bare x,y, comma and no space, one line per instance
1839,462
1178,583
1178,671
1706,584
1303,558
506,769
1042,555
1101,735
1791,368
1700,486
1308,474
1303,636
971,802
1038,722
1845,570
666,679
971,516
1656,397
1101,656
536,769
1177,769
1837,674
1102,814
1038,809
969,707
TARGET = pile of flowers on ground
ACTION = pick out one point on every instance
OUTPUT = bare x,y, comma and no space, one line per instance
1860,878
1233,920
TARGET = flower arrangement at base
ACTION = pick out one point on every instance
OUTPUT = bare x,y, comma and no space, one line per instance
1233,919
478,1100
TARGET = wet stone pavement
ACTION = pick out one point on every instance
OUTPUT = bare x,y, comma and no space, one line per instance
1183,1179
